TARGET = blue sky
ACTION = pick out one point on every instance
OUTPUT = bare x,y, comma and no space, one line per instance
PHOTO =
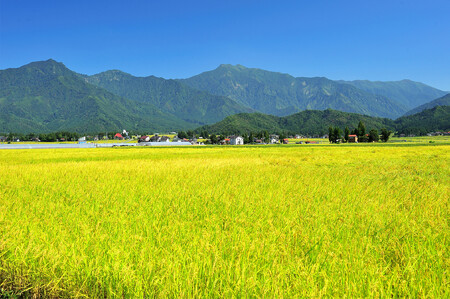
374,40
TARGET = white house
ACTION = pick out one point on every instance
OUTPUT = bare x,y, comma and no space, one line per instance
236,140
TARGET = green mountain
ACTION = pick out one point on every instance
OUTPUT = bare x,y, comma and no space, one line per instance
306,122
443,101
281,94
409,93
169,96
430,120
46,96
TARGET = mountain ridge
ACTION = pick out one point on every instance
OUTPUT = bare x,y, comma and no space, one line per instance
168,95
282,94
442,101
409,93
46,96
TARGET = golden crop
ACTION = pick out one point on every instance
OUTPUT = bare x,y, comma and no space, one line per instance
269,221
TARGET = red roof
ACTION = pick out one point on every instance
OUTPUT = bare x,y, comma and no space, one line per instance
118,135
351,135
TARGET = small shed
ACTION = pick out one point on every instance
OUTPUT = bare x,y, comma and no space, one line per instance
118,136
285,141
352,138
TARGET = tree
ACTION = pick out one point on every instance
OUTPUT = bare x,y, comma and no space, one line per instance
213,138
246,139
10,137
346,133
266,137
361,129
251,138
330,134
373,136
182,135
334,134
385,134
337,135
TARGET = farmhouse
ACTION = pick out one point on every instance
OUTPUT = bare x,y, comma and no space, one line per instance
144,138
118,136
236,140
165,139
273,139
155,138
352,138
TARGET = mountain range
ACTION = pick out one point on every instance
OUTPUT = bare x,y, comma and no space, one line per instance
46,96
170,96
282,94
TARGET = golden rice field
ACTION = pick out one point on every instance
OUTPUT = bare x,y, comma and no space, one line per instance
257,221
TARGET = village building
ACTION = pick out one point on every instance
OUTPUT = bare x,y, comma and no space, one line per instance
285,141
118,136
352,138
155,138
273,139
165,139
144,138
236,140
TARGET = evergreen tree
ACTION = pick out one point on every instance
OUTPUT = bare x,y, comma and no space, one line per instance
330,134
361,129
346,133
250,137
266,137
246,139
337,135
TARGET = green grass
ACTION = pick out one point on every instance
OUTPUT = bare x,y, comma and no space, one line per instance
263,221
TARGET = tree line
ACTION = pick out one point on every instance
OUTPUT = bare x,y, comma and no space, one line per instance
335,134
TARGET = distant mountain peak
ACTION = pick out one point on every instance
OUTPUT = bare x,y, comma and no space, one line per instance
231,66
49,66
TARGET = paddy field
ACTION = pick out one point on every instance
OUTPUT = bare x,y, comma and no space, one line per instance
251,221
